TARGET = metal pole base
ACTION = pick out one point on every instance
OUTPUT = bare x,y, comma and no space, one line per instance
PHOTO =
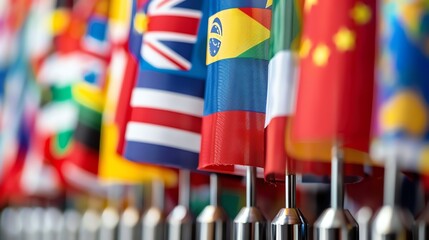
153,224
212,224
70,227
250,224
129,226
392,223
336,224
90,227
421,229
289,223
180,224
109,224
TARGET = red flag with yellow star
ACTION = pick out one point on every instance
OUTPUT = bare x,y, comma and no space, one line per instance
335,88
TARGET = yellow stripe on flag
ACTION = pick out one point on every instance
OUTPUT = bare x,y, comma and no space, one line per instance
113,168
238,32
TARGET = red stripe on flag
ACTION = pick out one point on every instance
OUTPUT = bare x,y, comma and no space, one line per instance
179,65
167,118
232,138
174,24
262,16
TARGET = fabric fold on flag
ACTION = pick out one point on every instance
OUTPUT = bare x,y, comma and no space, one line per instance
234,109
166,103
401,122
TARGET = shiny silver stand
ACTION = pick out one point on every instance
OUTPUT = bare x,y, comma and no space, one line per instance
250,223
90,225
336,223
363,217
421,228
180,221
130,225
70,225
391,221
11,226
110,216
52,220
212,223
289,222
153,218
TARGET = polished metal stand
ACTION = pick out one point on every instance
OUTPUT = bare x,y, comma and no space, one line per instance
180,222
212,223
250,223
336,223
110,217
421,228
90,226
153,218
130,225
71,223
391,221
289,223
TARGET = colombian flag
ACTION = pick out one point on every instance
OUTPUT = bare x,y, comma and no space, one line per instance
234,109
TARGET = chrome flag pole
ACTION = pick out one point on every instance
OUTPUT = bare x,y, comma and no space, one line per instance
250,223
212,223
180,221
289,223
153,218
110,217
130,226
421,228
392,221
336,223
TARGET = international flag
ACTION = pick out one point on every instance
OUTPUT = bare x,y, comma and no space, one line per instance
282,82
336,78
403,86
113,168
167,100
234,110
138,24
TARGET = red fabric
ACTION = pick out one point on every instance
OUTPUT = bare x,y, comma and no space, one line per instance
122,110
221,149
334,100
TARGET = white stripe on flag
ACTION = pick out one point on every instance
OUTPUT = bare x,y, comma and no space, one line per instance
165,136
282,79
165,100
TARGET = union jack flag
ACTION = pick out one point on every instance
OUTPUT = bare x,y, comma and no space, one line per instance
171,33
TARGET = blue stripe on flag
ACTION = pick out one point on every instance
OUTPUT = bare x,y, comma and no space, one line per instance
169,82
160,155
235,85
219,5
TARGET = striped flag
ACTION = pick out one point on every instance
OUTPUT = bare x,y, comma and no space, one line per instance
113,168
234,111
403,86
282,81
336,78
167,101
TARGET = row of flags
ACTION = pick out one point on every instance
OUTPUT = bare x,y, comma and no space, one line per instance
128,87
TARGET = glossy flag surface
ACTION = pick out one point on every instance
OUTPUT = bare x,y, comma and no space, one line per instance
336,78
234,109
164,122
403,86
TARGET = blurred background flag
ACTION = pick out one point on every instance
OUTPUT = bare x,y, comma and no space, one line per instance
403,86
234,110
336,78
167,101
